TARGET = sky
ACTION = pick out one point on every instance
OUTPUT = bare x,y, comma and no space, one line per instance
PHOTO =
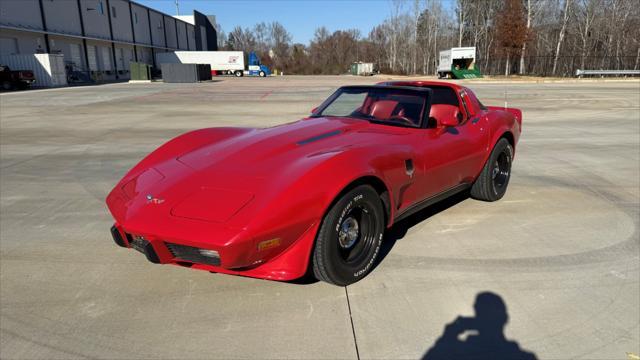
299,17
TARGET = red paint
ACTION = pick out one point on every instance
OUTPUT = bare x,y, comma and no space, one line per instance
231,189
265,95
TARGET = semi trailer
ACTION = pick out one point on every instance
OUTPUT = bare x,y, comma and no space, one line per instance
221,62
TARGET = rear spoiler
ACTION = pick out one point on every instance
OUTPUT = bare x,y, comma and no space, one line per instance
517,113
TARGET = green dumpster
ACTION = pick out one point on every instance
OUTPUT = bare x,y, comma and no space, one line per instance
140,71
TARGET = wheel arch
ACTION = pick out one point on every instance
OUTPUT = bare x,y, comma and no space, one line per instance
507,134
377,184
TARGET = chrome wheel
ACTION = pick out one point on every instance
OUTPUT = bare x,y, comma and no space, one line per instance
349,232
349,239
356,234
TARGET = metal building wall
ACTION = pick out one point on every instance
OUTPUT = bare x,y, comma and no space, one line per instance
99,37
62,16
121,20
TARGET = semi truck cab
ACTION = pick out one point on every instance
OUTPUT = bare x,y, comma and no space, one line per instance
255,67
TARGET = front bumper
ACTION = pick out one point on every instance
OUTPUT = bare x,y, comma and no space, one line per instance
290,264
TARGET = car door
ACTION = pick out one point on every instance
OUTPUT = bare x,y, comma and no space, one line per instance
452,154
475,134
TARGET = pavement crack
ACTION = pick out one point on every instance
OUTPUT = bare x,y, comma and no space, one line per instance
353,329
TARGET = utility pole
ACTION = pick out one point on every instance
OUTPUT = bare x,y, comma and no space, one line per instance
177,8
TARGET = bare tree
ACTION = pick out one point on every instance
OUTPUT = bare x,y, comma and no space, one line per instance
563,29
462,8
531,10
543,37
511,30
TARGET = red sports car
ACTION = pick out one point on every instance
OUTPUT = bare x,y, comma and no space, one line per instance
318,192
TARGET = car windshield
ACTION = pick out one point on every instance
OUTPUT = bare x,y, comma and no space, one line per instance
385,105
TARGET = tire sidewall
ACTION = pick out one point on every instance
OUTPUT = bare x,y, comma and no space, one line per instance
502,146
337,269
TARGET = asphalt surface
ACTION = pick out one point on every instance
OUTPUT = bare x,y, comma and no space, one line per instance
561,250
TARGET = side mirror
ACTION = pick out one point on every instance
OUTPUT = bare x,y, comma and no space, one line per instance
453,121
458,116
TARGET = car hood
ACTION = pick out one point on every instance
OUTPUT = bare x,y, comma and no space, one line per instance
239,172
259,150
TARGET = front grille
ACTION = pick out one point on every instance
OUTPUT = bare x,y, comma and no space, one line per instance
191,254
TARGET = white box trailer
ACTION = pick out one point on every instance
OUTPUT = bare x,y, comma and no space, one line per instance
226,62
363,69
458,63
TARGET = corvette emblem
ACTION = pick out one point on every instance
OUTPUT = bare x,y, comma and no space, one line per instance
154,200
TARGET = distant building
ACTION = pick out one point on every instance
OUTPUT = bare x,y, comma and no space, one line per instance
99,37
206,33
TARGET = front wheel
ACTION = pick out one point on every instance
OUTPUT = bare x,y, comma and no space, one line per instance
349,239
492,183
262,74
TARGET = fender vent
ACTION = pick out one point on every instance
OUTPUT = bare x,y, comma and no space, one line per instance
319,137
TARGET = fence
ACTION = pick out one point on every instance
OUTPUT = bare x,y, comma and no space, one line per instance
566,65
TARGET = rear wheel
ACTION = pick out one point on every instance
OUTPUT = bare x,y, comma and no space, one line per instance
349,239
492,183
238,73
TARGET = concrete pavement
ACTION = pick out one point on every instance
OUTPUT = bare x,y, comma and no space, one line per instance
561,249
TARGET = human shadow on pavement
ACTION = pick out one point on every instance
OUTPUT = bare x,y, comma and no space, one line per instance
484,338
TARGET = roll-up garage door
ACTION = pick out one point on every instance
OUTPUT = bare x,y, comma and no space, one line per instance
106,58
75,56
92,58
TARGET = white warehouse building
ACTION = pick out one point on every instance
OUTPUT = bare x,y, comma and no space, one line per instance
99,37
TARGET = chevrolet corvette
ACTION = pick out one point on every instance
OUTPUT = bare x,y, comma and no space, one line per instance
315,195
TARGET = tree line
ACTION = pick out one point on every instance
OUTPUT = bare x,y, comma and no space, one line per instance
526,37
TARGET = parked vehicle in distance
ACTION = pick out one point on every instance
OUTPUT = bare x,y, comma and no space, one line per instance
458,63
317,193
362,69
222,62
15,79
